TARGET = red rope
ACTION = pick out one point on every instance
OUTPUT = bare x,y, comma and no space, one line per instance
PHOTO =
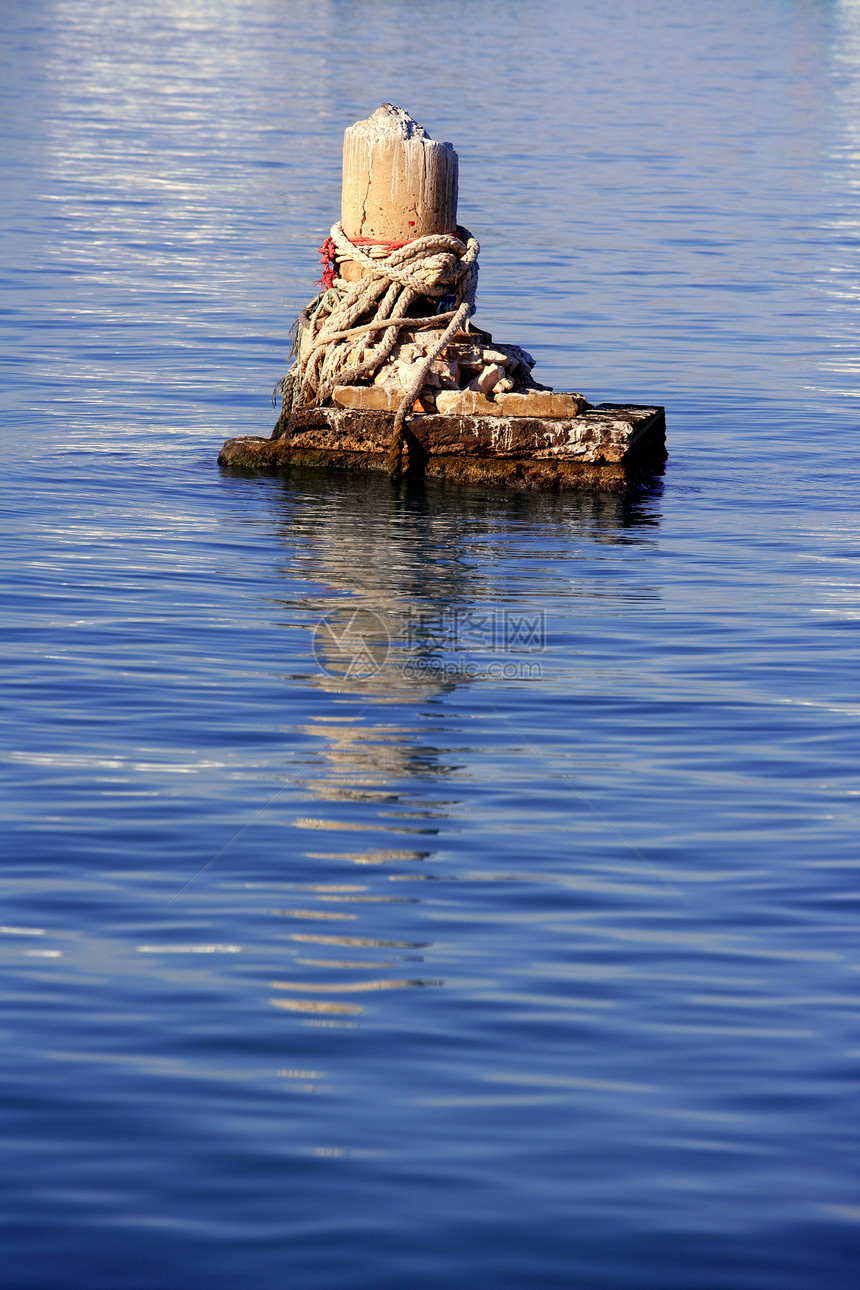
380,241
328,251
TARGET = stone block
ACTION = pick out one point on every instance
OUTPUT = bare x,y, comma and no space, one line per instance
607,448
447,371
541,403
368,398
487,379
408,373
465,403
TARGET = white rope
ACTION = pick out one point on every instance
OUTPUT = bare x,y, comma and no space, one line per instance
434,266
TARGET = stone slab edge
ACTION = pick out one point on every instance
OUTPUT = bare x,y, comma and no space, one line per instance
606,449
604,434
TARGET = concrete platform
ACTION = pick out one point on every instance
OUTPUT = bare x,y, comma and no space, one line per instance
607,448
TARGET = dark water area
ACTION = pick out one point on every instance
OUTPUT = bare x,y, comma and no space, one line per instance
524,954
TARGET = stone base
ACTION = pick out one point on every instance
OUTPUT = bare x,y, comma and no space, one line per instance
609,448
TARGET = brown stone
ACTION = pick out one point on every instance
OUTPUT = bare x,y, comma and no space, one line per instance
486,380
468,403
540,403
368,398
448,373
468,354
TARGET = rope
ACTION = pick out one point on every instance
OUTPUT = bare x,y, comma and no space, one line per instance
434,266
327,251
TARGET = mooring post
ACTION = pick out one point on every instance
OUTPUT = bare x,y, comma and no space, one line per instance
390,333
398,183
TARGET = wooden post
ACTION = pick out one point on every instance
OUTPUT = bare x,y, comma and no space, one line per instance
398,183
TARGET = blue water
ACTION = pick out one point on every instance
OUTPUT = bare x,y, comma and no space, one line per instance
525,954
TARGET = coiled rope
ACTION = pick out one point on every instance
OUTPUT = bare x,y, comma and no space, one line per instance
353,327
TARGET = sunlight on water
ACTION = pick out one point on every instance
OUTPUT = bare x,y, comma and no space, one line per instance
430,886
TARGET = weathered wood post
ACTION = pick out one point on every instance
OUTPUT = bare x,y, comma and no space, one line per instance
390,371
398,183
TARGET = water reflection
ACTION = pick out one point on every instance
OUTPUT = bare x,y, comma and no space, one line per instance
417,599
365,758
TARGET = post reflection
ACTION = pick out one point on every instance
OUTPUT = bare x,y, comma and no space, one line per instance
419,596
423,594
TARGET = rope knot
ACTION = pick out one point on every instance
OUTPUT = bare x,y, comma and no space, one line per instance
438,270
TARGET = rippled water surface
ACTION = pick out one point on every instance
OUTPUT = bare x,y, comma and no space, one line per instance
523,954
